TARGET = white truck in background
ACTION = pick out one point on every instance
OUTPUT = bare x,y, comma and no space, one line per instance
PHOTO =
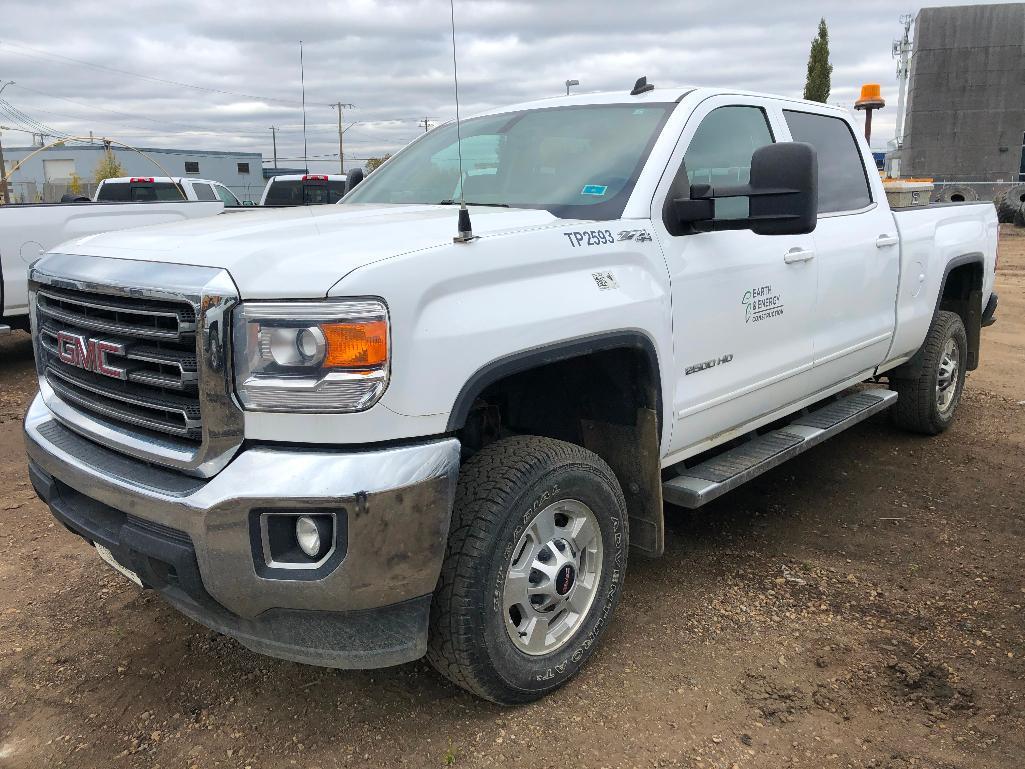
28,231
354,435
170,189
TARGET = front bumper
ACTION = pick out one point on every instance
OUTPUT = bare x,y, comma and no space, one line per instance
196,541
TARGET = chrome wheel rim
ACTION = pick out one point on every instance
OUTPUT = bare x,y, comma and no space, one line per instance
552,579
947,376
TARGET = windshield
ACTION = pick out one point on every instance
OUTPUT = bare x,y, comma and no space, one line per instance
576,162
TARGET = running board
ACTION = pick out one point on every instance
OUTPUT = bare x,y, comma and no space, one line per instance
702,483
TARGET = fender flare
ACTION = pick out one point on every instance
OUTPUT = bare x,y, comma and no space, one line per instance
536,357
973,327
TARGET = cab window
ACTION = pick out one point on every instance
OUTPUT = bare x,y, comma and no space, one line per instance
720,153
226,196
203,192
843,184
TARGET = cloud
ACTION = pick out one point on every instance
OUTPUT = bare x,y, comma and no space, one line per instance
393,60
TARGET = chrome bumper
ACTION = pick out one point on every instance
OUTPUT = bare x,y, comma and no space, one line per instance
396,501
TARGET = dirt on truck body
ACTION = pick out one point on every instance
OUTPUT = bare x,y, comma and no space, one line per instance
860,606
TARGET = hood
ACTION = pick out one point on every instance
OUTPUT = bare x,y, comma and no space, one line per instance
300,252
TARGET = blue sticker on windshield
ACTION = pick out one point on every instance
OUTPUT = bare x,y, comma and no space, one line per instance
594,189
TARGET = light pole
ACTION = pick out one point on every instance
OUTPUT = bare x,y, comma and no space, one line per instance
274,139
571,83
3,168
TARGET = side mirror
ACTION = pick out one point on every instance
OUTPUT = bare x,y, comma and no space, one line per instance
248,203
354,177
782,195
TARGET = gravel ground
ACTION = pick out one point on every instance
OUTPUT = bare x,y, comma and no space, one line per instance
860,606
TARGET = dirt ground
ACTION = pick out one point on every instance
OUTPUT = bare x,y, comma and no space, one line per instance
860,606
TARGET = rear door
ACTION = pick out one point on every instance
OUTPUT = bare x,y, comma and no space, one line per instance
742,304
857,251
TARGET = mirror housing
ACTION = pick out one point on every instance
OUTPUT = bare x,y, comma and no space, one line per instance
354,177
782,195
248,203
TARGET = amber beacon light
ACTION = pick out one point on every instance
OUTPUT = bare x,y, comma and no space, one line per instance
871,100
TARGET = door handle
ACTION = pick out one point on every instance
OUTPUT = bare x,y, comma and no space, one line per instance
798,255
886,240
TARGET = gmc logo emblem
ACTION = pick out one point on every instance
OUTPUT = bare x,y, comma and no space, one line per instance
89,354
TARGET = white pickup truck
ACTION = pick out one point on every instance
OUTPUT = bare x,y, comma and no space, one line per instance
354,435
29,231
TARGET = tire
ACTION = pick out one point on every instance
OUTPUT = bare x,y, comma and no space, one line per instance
956,193
1011,201
503,491
922,407
1019,218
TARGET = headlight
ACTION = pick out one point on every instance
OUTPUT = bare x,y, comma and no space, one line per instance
319,357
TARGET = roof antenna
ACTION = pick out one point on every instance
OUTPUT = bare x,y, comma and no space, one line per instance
465,231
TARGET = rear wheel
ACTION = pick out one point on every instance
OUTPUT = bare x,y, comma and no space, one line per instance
535,563
927,403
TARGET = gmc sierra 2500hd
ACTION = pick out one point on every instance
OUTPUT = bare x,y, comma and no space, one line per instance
345,437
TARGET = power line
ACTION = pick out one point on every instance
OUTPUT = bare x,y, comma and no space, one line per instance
36,52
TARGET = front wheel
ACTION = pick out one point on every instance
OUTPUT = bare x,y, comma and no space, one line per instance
533,570
927,403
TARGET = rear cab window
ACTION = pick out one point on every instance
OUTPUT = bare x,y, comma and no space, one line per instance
843,181
138,192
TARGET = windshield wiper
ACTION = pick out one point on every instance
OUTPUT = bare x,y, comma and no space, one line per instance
471,203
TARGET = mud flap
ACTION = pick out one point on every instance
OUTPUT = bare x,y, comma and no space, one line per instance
632,453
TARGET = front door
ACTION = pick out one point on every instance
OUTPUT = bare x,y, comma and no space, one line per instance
742,303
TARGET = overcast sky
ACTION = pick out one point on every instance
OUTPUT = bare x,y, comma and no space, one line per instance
105,66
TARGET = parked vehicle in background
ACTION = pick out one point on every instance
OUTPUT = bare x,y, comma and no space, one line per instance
372,434
303,190
145,189
28,231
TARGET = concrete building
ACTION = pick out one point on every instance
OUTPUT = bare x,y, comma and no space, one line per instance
966,98
49,174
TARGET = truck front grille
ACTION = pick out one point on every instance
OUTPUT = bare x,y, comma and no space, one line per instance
157,387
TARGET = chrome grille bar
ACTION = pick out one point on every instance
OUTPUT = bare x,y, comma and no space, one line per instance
116,317
166,413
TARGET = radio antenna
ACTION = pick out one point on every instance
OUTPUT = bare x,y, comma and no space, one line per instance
464,229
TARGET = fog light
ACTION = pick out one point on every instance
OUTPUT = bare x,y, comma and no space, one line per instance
307,534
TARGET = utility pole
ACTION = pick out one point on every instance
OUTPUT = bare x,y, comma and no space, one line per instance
302,80
426,123
3,178
274,139
4,194
341,158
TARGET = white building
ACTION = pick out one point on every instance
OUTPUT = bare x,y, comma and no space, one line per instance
50,174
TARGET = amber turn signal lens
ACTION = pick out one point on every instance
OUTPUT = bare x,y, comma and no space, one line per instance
356,345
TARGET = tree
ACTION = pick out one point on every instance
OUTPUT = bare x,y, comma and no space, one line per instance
816,87
75,184
373,163
109,167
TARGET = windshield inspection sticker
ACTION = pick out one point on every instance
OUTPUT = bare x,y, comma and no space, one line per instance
605,281
761,303
594,189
